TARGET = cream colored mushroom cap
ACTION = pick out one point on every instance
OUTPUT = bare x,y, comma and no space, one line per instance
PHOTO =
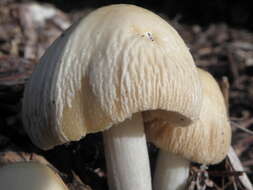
118,60
29,176
206,141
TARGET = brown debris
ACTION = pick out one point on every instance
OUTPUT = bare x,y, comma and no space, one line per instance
9,157
28,29
77,183
14,70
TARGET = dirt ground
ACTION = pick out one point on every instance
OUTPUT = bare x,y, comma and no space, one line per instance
218,48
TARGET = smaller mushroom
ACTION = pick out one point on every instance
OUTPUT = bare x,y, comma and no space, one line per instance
29,176
206,141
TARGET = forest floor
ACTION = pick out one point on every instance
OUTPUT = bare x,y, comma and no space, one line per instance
27,29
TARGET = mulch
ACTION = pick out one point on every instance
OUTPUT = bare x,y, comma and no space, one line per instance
218,48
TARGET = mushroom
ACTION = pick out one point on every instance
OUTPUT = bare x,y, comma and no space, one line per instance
104,71
29,176
205,141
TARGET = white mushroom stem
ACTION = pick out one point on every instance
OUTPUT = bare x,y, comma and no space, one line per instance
171,172
127,156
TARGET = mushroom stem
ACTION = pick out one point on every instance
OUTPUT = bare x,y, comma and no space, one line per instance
171,172
127,156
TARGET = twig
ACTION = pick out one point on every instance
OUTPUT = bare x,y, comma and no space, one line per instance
242,128
237,166
225,90
233,158
225,173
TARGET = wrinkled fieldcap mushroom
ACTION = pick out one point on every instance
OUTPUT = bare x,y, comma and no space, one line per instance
29,176
205,141
117,61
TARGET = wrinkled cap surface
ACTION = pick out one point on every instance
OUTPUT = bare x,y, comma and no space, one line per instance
29,176
205,141
118,60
